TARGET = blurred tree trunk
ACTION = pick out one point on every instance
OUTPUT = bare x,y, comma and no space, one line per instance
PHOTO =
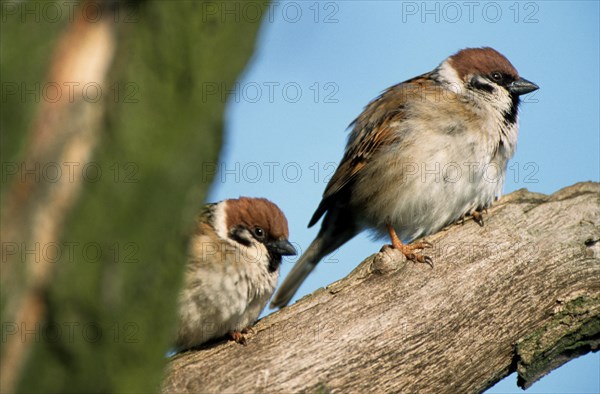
520,294
111,114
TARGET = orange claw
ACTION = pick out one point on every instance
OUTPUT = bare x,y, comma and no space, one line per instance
238,337
477,217
410,251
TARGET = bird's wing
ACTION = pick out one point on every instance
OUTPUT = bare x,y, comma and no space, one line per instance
374,128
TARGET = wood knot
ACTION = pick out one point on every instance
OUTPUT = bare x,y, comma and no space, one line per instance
387,260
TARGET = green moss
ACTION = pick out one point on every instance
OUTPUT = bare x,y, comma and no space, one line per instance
573,331
321,388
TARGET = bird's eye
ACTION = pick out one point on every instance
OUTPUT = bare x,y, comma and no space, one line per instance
496,76
259,233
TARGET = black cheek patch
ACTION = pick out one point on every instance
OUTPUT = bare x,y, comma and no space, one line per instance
482,86
237,234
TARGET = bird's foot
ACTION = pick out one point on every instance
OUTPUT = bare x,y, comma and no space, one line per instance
411,251
477,215
239,336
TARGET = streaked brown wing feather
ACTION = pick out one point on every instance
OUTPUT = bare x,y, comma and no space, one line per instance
370,131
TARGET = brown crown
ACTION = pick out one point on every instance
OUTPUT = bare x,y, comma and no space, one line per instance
257,212
481,61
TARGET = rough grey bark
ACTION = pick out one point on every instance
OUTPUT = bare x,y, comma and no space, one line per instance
522,293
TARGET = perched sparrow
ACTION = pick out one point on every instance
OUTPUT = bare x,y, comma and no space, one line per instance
422,155
232,269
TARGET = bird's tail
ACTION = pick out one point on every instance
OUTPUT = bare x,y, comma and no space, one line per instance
299,272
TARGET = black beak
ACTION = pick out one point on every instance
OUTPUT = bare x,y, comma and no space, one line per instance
522,86
282,247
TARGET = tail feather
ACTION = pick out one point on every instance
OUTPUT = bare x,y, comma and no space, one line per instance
299,272
338,227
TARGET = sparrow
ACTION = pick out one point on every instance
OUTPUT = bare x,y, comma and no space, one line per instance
232,269
424,154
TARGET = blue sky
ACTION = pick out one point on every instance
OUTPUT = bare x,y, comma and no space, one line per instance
318,64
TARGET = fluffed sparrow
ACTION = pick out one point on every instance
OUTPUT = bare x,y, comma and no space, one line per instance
425,153
232,269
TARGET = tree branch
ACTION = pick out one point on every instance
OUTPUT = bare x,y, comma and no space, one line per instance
521,293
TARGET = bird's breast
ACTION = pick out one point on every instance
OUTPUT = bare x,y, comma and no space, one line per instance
429,180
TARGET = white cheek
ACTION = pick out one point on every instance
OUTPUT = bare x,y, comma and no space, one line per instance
448,74
220,225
